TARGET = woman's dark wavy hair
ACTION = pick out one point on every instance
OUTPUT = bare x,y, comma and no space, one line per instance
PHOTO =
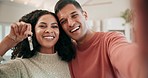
64,45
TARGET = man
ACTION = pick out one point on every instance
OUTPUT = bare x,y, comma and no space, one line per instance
98,54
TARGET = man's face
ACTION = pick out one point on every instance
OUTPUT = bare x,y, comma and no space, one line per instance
73,21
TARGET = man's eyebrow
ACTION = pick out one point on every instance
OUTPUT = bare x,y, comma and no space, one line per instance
61,19
73,12
70,13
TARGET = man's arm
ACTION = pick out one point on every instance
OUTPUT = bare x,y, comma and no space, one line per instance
125,57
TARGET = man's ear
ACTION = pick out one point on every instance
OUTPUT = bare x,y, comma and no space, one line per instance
85,15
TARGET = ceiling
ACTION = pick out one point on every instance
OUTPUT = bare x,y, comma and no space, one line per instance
49,4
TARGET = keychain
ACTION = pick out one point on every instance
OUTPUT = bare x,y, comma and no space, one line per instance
30,43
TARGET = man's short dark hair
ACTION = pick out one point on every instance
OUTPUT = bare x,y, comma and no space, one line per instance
62,3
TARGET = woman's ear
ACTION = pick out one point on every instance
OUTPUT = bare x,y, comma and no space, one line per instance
85,15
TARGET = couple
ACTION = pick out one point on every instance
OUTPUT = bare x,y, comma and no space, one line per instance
90,55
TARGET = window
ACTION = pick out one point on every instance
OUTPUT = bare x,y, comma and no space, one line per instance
117,24
4,30
1,33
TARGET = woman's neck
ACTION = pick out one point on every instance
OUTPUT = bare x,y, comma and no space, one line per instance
47,50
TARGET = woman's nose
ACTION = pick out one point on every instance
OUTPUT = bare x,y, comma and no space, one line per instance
48,30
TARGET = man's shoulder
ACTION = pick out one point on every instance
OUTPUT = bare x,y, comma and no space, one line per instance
108,34
113,34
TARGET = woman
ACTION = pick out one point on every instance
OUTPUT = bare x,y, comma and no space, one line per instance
49,41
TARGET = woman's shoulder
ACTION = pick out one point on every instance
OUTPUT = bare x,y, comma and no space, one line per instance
11,69
13,63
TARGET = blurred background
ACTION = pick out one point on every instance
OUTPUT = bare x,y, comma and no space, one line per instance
104,15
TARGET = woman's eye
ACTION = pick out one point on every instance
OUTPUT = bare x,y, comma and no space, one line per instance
55,26
42,26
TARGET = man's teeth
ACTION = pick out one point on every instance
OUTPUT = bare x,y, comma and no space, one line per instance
75,29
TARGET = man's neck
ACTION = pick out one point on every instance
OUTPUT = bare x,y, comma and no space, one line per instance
89,34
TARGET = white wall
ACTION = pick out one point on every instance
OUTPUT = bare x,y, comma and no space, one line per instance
10,12
102,11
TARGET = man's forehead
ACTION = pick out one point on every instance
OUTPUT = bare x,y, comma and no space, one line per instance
64,14
67,10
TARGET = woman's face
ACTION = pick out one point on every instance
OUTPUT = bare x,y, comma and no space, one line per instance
47,31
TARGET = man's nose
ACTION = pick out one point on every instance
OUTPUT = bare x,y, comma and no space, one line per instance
70,22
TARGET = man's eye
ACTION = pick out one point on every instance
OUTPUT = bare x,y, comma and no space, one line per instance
63,22
74,16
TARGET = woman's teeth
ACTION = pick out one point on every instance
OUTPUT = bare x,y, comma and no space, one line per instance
50,38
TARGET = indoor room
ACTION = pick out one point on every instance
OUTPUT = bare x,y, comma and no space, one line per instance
103,15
